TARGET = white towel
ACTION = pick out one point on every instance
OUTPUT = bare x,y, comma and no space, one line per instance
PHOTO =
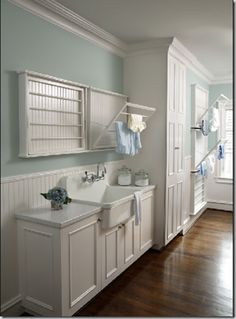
215,120
137,207
135,123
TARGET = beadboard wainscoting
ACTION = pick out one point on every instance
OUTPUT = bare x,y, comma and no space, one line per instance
19,193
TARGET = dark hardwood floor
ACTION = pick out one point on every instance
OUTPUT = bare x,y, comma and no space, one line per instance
192,276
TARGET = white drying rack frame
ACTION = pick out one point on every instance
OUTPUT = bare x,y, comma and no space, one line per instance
121,112
220,98
224,141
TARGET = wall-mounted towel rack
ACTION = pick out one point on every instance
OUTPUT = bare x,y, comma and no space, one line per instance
220,98
126,110
209,152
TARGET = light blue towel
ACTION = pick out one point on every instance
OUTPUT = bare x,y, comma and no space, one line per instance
203,169
221,152
128,142
137,207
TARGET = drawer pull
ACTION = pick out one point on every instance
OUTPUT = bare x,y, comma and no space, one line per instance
99,220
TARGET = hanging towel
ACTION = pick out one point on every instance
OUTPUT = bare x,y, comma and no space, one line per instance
215,121
135,122
128,142
202,169
137,207
204,127
210,162
221,152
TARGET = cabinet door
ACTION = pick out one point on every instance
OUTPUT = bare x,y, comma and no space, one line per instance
147,223
130,241
81,249
112,252
175,148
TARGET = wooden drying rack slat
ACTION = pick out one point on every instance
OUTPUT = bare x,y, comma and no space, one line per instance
52,110
55,97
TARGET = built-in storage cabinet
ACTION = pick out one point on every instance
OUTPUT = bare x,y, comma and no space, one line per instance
146,228
112,244
175,148
126,242
61,269
52,115
81,258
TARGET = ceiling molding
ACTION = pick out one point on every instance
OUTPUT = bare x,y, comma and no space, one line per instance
222,80
59,15
191,61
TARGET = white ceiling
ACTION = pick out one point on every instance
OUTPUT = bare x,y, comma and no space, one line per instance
203,26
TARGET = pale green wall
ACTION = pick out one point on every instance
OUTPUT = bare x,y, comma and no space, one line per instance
191,78
29,42
214,92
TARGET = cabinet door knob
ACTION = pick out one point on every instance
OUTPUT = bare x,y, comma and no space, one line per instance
120,226
99,220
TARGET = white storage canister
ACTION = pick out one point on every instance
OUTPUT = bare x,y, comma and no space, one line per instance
124,176
141,178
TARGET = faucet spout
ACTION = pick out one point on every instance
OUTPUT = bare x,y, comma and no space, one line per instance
97,170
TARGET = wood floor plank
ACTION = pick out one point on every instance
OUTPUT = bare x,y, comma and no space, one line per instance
192,276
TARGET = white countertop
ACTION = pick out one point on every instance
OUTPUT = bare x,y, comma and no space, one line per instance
70,214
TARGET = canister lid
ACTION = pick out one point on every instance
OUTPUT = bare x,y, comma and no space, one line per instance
142,173
124,169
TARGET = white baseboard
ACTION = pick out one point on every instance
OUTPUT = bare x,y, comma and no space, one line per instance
222,205
193,219
12,308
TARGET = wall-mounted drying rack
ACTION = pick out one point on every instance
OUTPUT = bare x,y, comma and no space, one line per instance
196,170
126,110
220,98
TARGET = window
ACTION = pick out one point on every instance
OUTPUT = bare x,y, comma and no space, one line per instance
225,166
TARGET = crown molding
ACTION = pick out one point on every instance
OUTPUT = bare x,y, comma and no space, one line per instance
228,79
59,15
191,61
160,44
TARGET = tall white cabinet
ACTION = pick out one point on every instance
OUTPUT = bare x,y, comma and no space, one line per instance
175,148
155,75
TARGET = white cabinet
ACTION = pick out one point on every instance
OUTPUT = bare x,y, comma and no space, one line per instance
81,260
61,269
155,74
146,228
111,254
175,148
123,244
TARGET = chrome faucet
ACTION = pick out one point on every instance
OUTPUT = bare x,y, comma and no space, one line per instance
91,178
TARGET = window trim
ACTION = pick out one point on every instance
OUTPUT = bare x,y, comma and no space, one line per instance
218,177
